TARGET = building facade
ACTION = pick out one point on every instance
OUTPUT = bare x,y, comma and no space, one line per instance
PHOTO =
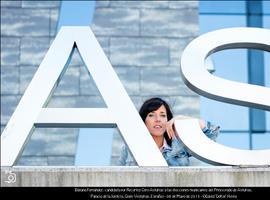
143,41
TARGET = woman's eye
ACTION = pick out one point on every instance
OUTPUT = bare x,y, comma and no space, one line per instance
150,115
163,115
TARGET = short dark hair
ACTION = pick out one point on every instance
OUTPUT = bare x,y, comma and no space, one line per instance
153,104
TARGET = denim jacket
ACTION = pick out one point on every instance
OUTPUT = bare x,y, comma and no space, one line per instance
176,155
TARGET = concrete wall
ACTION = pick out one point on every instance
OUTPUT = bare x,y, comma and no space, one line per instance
143,40
134,176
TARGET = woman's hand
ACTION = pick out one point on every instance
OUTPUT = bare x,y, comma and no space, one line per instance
170,128
170,125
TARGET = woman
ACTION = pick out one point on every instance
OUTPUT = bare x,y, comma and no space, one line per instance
159,121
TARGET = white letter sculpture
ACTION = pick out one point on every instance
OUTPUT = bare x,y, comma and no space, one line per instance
120,110
197,78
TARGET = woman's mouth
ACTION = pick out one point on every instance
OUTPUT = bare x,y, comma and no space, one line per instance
157,127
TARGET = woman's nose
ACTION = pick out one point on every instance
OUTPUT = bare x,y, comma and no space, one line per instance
157,118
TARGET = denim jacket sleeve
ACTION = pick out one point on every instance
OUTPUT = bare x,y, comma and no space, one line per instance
178,154
211,130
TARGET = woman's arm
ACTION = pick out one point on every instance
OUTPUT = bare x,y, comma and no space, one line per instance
209,129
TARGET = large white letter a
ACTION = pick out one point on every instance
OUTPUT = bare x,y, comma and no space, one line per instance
120,109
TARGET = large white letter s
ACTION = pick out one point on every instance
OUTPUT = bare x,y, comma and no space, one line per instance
197,78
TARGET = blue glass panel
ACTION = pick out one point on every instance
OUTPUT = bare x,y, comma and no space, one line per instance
222,7
214,22
76,13
94,146
229,117
261,141
266,7
236,140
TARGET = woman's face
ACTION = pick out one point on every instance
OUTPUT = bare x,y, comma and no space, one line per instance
156,121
